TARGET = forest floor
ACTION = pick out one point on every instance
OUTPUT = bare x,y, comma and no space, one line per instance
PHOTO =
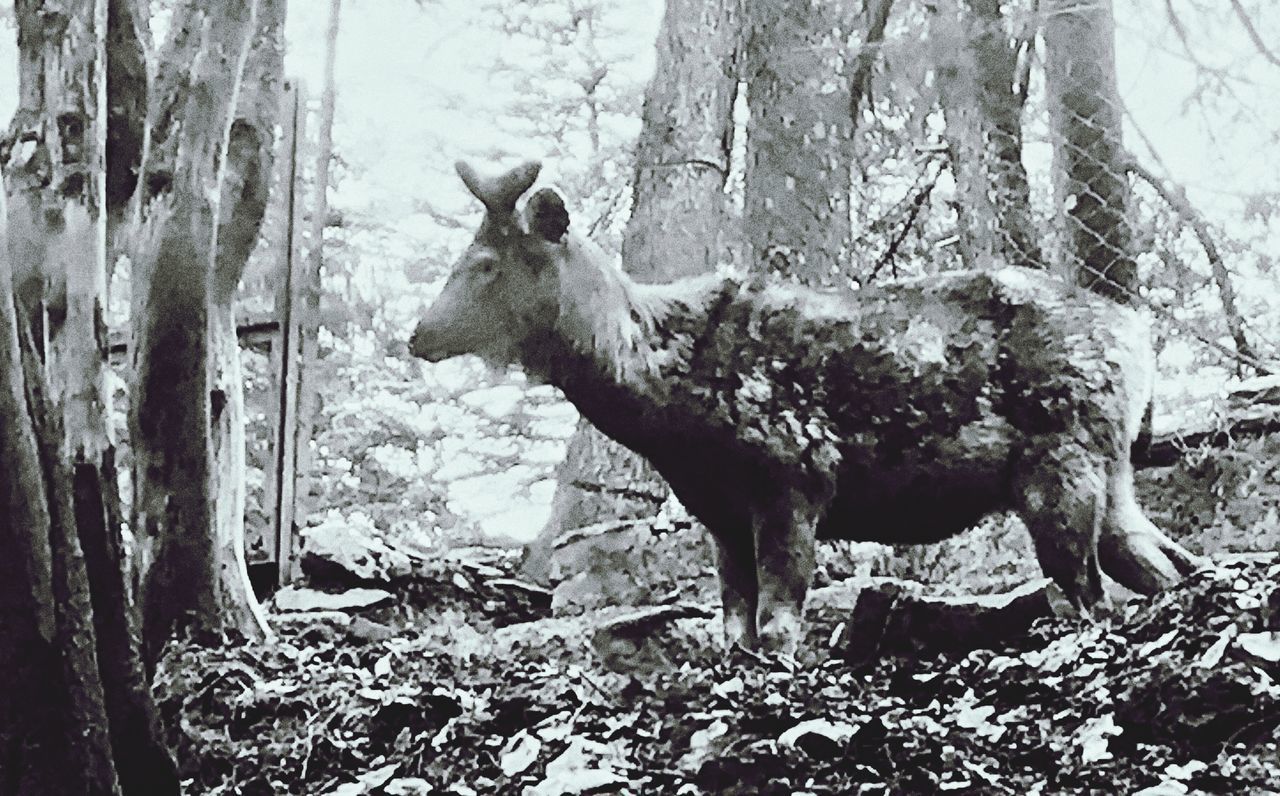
459,687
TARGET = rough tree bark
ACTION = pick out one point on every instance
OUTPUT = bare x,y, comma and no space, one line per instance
53,719
128,88
682,160
183,583
798,139
245,188
84,681
1091,185
976,64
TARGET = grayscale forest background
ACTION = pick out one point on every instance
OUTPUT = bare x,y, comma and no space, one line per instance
422,593
409,449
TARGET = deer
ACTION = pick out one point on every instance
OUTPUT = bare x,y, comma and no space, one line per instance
781,415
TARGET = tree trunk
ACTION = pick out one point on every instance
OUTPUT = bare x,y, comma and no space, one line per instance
798,174
976,67
128,88
250,157
894,618
79,694
876,12
29,655
53,717
682,160
1091,188
183,584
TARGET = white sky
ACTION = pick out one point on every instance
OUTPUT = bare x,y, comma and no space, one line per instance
398,63
1155,79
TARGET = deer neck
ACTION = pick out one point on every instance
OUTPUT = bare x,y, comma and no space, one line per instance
612,346
600,314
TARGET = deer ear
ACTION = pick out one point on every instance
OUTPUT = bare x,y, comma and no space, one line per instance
545,215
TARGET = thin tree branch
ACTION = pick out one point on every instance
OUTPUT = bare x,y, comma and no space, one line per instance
1249,28
1185,39
917,203
1176,198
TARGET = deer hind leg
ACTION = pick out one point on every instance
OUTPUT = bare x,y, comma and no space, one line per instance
1060,491
785,531
739,590
1132,549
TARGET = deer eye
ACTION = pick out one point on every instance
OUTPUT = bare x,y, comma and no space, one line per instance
485,266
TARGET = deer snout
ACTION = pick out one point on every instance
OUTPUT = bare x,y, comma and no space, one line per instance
426,343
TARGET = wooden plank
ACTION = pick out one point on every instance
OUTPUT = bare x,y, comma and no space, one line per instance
285,354
307,308
270,273
261,545
253,332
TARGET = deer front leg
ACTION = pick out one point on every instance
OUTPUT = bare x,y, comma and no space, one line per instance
736,565
784,536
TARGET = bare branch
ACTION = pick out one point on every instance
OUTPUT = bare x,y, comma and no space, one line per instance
917,203
1243,16
1185,39
1176,198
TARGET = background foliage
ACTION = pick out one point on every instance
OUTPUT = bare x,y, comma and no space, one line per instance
454,451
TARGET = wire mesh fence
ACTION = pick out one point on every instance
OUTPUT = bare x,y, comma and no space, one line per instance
1056,174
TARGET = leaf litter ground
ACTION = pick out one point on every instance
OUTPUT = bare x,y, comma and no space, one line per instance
460,688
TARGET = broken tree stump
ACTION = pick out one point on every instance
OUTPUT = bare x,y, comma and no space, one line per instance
889,619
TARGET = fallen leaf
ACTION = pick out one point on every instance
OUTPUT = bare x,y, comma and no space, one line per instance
1263,646
1167,788
731,686
578,769
277,687
379,776
1213,656
836,731
1058,653
1155,646
557,728
408,786
1187,771
702,744
706,735
974,717
366,782
519,753
1092,738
